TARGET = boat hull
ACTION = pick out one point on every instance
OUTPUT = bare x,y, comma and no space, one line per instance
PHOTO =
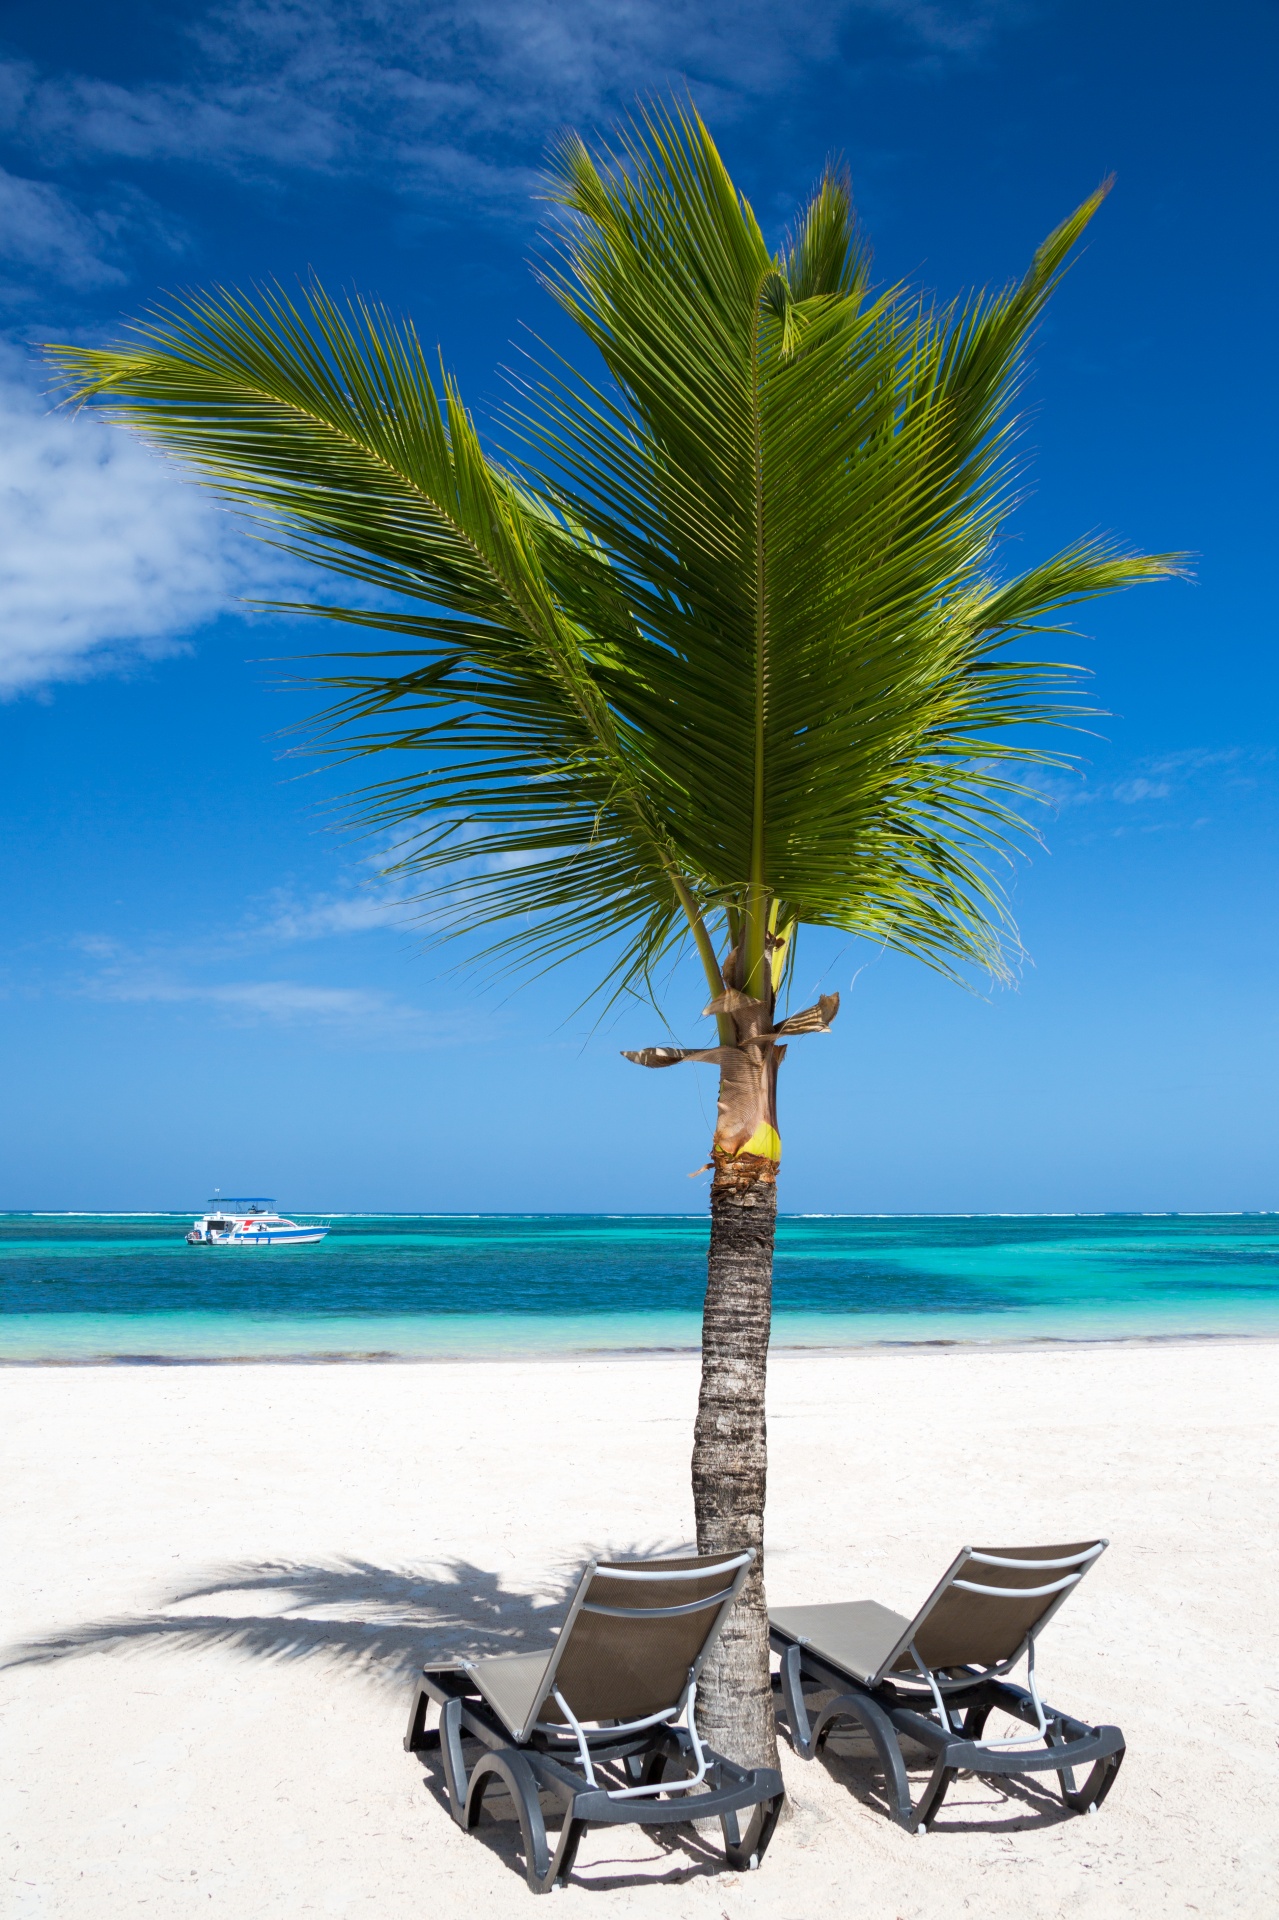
304,1237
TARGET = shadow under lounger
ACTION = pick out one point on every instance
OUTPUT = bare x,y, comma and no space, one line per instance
936,1679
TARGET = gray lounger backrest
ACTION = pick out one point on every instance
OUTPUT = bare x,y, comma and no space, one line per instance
990,1603
635,1633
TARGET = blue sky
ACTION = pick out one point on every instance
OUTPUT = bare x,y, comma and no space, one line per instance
201,983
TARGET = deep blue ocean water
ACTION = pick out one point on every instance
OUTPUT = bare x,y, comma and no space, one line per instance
89,1286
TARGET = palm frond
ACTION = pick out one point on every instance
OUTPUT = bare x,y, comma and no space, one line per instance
726,634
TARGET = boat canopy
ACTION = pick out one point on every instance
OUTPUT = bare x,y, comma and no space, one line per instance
241,1203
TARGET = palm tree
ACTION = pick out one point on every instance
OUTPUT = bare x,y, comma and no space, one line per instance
721,651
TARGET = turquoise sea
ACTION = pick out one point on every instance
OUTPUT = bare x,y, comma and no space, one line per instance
126,1287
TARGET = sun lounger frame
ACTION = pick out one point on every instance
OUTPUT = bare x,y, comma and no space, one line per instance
660,1759
887,1708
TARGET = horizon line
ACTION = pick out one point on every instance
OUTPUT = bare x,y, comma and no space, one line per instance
583,1213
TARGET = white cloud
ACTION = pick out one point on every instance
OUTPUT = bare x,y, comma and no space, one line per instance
454,97
106,555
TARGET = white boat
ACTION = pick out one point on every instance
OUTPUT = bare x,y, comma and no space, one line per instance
249,1222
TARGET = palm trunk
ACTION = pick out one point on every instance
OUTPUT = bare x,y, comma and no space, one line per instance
730,1449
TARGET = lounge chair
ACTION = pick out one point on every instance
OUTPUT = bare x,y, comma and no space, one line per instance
986,1612
603,1720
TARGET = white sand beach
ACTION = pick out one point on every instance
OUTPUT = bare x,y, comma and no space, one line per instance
219,1581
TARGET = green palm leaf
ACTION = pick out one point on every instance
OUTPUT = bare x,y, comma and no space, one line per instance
723,636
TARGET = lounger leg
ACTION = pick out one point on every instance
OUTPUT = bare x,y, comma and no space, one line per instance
743,1855
934,1794
565,1852
420,1738
792,1678
883,1735
1095,1787
516,1775
975,1722
451,1754
654,1768
1055,1738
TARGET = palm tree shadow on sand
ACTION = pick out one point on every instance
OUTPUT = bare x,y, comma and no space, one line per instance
380,1625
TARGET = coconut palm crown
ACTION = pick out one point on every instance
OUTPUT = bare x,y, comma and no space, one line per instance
719,649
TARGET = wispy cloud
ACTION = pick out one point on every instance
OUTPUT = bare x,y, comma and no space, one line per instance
209,973
288,1001
458,95
107,557
1163,793
1235,764
276,918
361,1015
1130,792
43,232
366,910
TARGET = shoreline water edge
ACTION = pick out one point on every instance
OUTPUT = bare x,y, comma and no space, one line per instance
1045,1343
